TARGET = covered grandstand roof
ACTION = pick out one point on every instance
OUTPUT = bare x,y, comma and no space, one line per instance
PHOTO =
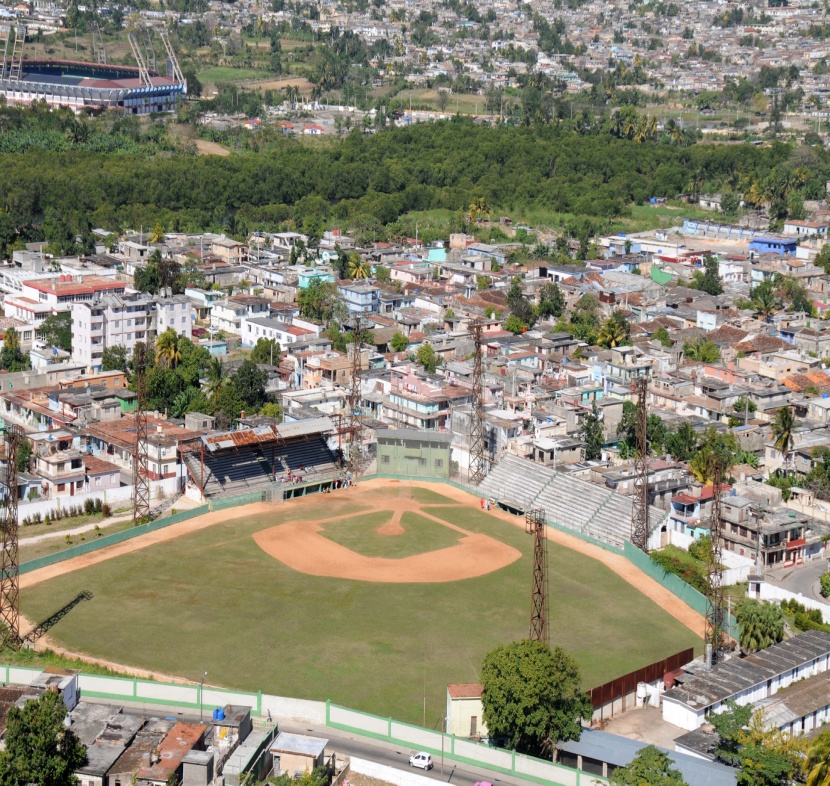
263,434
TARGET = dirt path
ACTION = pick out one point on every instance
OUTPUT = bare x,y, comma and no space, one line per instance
208,148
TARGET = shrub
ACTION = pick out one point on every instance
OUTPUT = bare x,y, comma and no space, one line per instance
37,518
106,510
97,531
97,505
89,506
68,540
700,548
825,585
47,519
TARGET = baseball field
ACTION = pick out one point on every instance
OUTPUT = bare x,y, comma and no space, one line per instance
375,597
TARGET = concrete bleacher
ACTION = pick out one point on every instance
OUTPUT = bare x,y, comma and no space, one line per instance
568,502
515,481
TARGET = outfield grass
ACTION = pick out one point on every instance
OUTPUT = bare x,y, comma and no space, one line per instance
214,601
420,535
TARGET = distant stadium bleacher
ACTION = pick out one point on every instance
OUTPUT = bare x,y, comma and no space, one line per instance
568,502
265,458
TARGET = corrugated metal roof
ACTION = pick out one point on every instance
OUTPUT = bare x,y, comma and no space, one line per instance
262,434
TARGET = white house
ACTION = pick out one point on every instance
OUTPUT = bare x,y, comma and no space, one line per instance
746,680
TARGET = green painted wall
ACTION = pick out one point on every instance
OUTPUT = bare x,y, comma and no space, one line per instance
414,458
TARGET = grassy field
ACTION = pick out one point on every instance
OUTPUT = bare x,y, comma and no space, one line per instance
216,74
53,545
213,601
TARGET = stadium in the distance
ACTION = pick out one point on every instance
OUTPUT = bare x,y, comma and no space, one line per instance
86,87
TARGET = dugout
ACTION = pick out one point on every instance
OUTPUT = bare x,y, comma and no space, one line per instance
423,454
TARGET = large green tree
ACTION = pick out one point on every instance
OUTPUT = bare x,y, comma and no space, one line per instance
115,359
11,357
56,329
266,350
532,696
649,767
708,280
39,748
249,383
593,434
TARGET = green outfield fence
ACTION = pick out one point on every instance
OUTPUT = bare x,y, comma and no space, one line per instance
161,696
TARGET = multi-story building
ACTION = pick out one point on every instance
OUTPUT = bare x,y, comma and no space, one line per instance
228,315
115,320
361,298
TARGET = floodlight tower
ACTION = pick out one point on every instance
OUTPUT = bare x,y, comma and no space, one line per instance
355,398
9,557
478,460
639,504
715,620
141,478
535,525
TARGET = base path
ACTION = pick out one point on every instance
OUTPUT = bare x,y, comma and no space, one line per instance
300,545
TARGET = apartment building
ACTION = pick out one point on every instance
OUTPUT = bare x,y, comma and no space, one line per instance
229,315
114,320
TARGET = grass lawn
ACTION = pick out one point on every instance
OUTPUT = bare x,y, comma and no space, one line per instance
229,74
214,601
420,535
53,545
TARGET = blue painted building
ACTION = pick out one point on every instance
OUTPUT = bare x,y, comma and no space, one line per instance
773,244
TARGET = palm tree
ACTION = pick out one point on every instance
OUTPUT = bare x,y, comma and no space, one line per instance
216,376
761,624
358,267
782,431
817,765
156,233
612,333
765,302
167,348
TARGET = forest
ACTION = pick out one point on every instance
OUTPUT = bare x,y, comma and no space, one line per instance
373,179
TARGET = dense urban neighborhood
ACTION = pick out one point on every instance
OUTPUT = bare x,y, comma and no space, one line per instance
414,391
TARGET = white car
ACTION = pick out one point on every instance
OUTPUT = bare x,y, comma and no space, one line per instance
422,760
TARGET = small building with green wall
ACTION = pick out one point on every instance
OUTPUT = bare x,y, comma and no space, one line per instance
405,451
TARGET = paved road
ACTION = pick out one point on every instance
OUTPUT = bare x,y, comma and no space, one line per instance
802,579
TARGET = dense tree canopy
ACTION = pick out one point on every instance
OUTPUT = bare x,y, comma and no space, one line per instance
532,696
372,180
39,748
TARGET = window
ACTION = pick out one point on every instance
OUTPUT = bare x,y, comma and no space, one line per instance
422,462
98,480
384,459
61,486
473,725
439,462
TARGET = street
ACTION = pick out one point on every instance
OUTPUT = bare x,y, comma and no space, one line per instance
801,579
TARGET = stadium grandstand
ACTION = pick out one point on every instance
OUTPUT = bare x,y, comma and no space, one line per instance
91,87
289,459
520,485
